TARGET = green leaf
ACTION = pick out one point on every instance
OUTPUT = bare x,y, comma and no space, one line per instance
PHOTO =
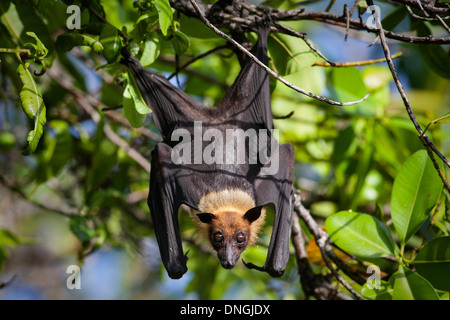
180,42
81,230
434,55
360,234
7,141
396,139
384,292
409,285
135,118
7,238
20,18
415,192
394,18
134,105
109,38
345,145
45,6
33,106
433,263
67,41
348,85
289,54
151,49
103,161
195,28
41,50
57,151
165,15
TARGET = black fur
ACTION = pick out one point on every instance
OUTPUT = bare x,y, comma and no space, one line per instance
245,106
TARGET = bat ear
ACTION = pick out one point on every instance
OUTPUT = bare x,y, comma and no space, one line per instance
206,217
253,214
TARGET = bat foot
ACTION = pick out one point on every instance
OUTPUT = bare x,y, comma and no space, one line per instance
176,269
176,272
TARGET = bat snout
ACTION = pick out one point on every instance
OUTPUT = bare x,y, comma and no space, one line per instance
227,264
228,257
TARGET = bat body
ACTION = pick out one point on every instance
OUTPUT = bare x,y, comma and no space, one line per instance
223,162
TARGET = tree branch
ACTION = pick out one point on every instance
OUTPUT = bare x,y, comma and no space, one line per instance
267,69
356,63
323,242
315,285
81,99
429,146
233,21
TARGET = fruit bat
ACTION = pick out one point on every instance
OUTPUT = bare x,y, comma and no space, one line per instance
216,161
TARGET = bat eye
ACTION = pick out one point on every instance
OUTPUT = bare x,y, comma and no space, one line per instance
240,238
218,237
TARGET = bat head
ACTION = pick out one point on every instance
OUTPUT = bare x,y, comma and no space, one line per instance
231,232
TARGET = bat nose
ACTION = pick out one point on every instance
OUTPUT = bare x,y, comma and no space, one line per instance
227,264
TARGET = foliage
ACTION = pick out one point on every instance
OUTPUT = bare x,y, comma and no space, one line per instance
363,171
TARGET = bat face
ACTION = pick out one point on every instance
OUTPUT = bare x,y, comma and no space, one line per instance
231,232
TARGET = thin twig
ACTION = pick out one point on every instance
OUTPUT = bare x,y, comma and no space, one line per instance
40,205
421,8
83,101
101,18
441,20
111,135
335,273
356,63
354,7
430,226
428,18
429,146
267,69
302,36
4,284
322,237
415,16
184,66
231,22
15,51
347,26
315,285
330,5
323,242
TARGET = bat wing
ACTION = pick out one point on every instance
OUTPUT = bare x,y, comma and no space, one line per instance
277,190
170,186
248,99
171,106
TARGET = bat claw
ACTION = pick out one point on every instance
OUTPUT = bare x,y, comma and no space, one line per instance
250,265
276,273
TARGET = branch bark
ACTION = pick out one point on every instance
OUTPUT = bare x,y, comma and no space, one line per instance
84,102
324,243
267,69
429,146
231,19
